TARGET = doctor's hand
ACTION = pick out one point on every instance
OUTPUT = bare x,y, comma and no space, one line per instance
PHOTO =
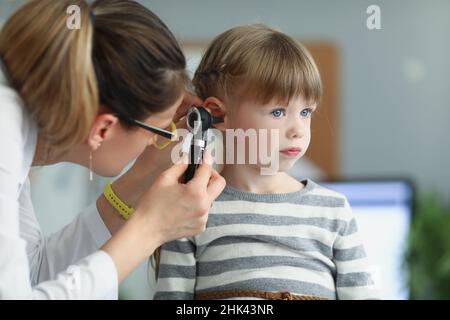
189,100
168,210
176,209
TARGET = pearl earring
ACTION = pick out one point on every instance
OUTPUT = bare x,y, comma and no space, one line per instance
90,166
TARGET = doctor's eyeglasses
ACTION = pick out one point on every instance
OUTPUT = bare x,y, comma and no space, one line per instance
167,136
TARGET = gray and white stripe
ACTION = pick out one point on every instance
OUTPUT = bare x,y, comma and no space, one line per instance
305,242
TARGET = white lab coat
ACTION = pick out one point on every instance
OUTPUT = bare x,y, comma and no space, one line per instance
65,265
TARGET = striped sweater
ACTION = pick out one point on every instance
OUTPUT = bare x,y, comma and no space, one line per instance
304,242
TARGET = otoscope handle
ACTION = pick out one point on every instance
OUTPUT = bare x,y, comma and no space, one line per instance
189,174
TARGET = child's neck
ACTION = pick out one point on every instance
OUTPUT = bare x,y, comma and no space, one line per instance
249,179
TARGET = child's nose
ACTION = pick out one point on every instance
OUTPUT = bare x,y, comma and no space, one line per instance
295,131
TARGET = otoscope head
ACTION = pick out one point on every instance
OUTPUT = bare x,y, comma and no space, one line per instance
207,120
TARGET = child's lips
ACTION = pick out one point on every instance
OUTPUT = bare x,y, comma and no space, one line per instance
291,152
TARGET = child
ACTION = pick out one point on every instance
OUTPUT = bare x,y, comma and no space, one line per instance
268,236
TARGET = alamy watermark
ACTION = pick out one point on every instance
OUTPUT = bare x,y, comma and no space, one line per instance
252,146
373,21
73,21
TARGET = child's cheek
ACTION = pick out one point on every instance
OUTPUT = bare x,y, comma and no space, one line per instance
306,142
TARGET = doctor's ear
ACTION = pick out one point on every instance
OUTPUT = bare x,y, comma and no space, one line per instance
217,109
101,129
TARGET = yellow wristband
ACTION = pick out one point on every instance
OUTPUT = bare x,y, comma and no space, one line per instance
124,210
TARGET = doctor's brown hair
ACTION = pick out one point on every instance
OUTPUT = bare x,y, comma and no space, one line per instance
123,57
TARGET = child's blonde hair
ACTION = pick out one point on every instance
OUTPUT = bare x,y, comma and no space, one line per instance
257,63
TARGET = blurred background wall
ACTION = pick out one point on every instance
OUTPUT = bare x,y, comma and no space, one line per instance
394,90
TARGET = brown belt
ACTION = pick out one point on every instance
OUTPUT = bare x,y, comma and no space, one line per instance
282,295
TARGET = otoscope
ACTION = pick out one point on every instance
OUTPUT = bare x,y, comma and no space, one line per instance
199,120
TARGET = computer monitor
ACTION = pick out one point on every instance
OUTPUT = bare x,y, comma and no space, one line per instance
383,211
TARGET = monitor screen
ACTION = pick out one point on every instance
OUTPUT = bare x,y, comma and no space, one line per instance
383,211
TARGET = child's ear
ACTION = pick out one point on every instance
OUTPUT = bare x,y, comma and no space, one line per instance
218,109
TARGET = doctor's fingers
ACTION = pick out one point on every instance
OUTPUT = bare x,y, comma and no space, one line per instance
216,185
198,224
203,173
188,101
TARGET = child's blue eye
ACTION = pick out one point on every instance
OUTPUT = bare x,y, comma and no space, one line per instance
278,113
306,113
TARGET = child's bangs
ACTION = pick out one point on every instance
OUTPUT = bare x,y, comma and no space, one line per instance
280,75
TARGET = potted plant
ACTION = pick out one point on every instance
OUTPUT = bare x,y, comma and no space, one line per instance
428,253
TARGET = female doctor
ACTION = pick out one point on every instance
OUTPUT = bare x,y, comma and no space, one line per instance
74,96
